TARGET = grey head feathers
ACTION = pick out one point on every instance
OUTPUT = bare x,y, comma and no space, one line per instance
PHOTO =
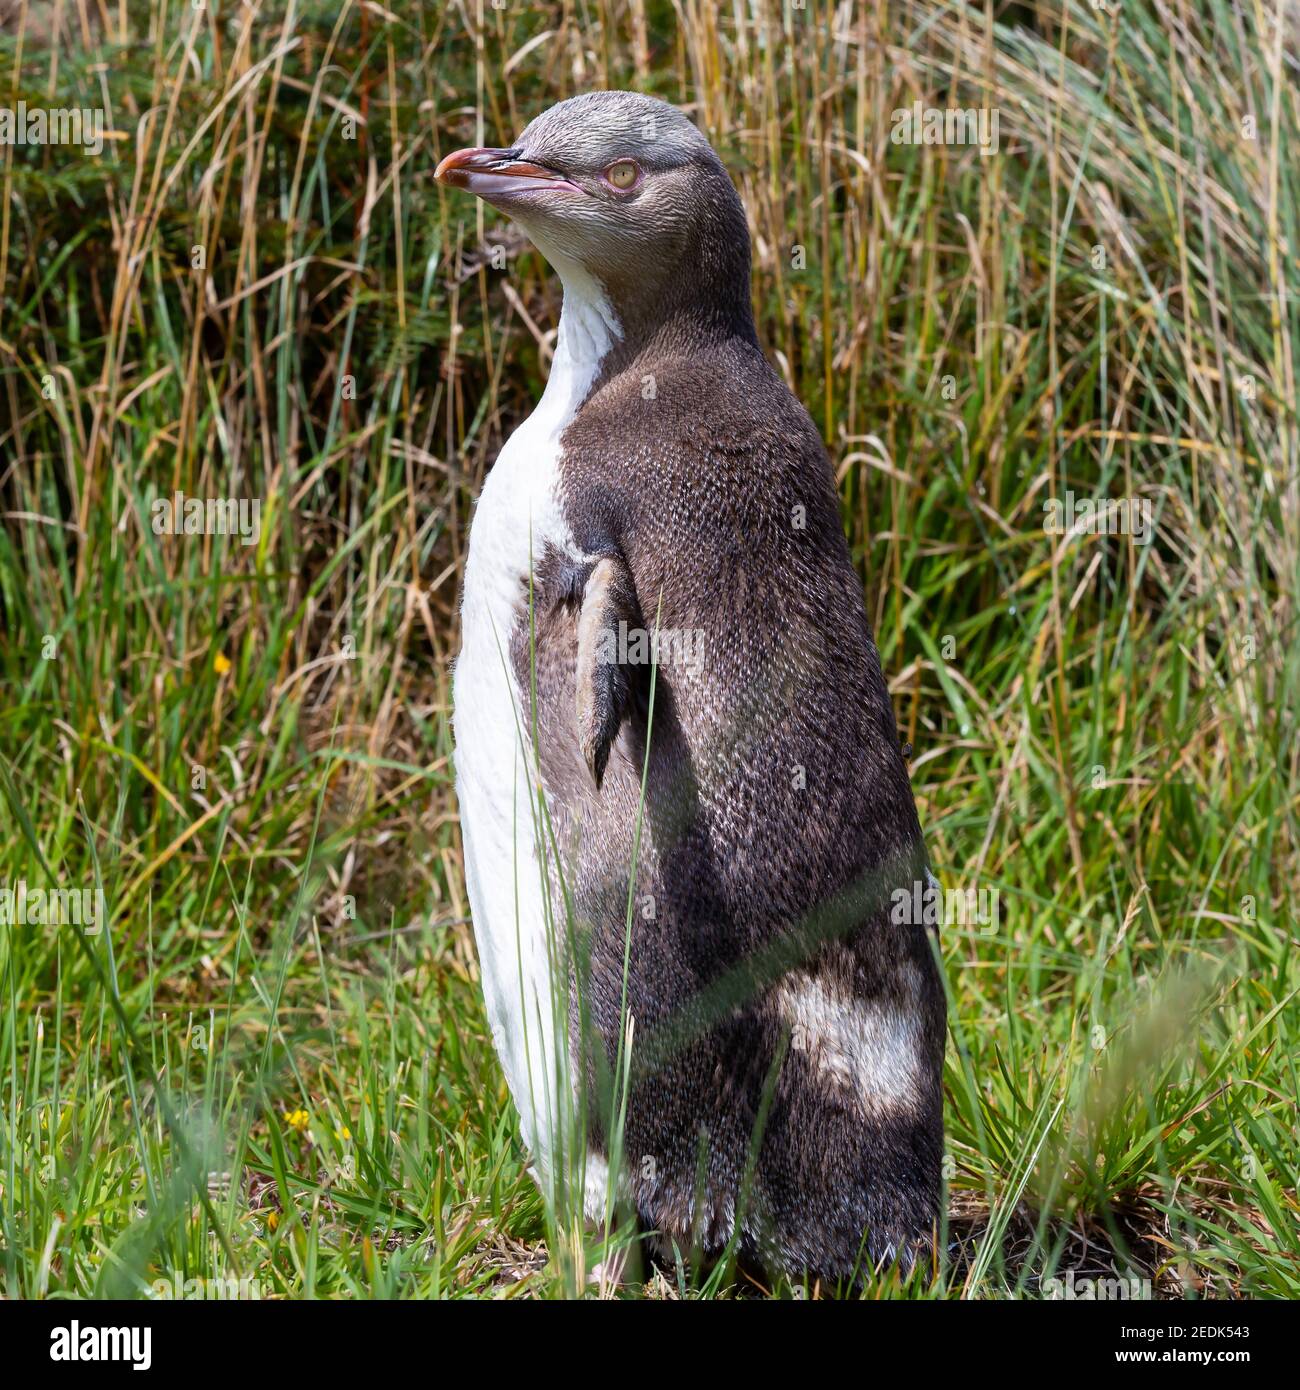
626,188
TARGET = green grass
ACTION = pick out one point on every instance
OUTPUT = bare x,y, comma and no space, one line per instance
274,1064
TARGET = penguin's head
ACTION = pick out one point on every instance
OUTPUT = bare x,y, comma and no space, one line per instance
624,187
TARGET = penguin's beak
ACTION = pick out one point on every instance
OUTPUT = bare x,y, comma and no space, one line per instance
493,174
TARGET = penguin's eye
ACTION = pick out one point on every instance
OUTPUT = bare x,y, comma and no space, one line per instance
622,174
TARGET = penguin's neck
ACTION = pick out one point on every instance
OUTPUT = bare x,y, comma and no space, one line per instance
589,330
690,298
600,336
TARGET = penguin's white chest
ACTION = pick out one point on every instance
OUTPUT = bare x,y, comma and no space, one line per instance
494,771
518,515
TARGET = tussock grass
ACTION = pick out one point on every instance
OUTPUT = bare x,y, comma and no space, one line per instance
273,1064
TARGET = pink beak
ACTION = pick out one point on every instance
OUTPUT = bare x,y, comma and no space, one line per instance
492,174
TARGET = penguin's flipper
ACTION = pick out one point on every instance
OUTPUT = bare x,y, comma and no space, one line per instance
604,691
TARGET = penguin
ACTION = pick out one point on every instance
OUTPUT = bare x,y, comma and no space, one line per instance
688,824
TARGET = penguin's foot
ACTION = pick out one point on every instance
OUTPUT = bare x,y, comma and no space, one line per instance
607,1275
